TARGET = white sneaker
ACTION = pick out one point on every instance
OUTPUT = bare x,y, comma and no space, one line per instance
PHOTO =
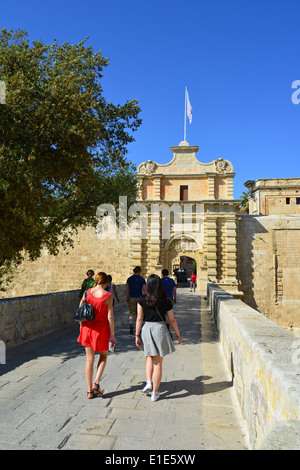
154,396
147,388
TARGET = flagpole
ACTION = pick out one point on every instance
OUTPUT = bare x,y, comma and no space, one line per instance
185,115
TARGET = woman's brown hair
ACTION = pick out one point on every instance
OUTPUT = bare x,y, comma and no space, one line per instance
101,278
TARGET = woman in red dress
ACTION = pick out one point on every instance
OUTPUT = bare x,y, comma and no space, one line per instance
95,335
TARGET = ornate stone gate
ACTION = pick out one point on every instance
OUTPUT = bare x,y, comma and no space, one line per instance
190,211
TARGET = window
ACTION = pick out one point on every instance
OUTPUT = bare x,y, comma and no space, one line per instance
287,200
297,200
184,193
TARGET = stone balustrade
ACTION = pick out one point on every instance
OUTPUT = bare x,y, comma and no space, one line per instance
264,360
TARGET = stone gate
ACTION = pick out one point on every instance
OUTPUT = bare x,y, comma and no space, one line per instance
190,213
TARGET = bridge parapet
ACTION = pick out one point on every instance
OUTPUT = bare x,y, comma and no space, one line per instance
26,318
264,360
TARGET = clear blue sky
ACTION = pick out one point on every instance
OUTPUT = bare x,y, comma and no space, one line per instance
238,59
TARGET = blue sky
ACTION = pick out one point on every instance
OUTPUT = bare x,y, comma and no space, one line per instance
238,59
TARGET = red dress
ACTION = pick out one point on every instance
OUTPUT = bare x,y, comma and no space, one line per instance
96,333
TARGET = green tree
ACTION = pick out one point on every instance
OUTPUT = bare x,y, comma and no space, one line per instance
245,201
62,145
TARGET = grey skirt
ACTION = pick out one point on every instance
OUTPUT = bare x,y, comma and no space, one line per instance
156,339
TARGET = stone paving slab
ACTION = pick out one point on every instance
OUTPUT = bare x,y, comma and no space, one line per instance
43,402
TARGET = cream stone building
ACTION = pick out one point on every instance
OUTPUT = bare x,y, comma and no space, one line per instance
278,196
195,217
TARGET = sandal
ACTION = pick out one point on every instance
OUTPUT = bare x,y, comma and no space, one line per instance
90,393
96,390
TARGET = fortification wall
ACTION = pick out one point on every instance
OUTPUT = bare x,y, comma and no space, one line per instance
26,318
268,253
264,361
67,270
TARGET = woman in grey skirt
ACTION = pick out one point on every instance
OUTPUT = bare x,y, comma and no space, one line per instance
153,307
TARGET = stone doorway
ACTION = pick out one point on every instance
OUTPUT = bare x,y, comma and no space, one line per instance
189,264
183,253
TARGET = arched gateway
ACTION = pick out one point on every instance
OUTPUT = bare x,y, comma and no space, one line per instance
190,212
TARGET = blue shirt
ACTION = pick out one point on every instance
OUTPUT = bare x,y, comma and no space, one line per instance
136,283
168,284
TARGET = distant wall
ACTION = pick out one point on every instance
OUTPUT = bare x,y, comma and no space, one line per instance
264,360
268,256
67,270
25,318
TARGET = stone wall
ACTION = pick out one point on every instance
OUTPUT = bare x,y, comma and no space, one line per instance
269,267
25,318
67,270
264,361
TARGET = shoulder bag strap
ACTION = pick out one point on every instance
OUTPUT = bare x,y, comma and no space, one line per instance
160,315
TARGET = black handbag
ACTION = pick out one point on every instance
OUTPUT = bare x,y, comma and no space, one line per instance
85,312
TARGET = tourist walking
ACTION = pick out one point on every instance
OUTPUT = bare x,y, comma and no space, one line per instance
112,289
96,334
169,285
135,288
170,289
153,308
87,283
193,282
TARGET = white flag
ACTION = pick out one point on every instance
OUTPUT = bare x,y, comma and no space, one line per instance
189,109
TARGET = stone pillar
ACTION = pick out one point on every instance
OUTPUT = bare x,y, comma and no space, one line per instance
157,181
230,186
155,243
140,189
231,250
211,244
211,186
202,276
136,252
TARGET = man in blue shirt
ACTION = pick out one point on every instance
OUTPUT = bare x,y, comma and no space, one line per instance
169,285
135,288
170,289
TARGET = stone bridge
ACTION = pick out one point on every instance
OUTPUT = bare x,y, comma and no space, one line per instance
232,384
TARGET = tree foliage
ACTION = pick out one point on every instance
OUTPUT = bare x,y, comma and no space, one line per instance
62,145
245,201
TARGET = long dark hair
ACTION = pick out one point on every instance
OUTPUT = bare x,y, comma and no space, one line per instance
155,291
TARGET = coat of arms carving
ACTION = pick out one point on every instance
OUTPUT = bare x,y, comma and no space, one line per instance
147,168
223,166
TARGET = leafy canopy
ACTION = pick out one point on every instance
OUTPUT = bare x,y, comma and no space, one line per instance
62,145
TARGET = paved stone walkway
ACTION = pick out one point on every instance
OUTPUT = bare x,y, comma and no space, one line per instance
43,403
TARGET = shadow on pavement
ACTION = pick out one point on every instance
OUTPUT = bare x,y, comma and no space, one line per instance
173,389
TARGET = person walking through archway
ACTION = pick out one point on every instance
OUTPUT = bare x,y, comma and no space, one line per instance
193,281
153,308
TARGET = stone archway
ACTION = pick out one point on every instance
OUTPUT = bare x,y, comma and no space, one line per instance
189,264
181,246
